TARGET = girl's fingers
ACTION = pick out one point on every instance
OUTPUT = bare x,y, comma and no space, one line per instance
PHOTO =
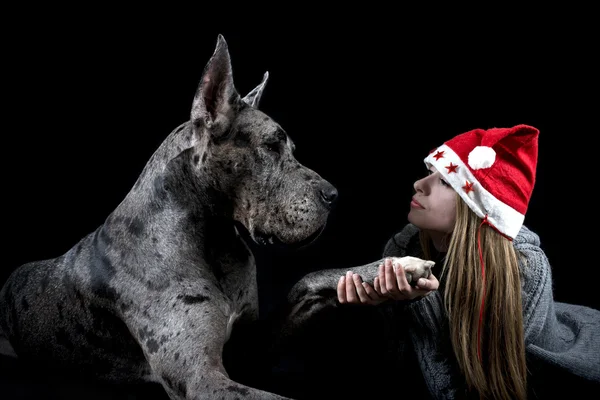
341,289
403,285
391,284
360,289
381,276
351,296
377,285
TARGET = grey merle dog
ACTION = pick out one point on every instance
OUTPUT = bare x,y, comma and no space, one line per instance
154,292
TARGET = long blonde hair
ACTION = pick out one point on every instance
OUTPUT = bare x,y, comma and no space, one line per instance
494,364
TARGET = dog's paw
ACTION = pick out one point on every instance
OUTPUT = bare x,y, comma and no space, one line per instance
414,267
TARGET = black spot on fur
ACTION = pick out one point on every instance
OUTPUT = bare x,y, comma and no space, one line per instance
136,226
106,240
145,332
176,356
196,159
153,346
164,339
204,157
124,306
187,299
242,139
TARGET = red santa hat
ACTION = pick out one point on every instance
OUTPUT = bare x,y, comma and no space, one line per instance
493,171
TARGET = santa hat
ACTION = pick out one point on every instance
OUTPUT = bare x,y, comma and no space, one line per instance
493,171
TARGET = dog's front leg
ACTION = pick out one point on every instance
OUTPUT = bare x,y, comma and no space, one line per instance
317,291
182,338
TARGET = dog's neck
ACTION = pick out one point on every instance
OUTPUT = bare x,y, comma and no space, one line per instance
164,211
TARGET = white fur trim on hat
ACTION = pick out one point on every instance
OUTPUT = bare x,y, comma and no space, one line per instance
482,157
502,216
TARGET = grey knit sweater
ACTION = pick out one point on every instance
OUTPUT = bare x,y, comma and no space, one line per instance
562,340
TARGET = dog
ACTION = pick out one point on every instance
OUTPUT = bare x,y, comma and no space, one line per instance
153,294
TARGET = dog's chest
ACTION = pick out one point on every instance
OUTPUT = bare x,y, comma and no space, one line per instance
239,285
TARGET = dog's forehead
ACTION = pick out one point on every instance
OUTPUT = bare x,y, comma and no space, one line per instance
260,126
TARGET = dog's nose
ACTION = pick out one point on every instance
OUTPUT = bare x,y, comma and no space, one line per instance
329,194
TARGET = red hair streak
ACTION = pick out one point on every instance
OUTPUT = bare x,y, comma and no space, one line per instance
485,220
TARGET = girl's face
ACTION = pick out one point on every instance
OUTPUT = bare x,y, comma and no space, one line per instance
433,207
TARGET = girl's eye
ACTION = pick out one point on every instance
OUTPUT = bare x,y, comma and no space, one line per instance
444,182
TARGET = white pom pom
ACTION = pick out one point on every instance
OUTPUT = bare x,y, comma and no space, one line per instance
482,157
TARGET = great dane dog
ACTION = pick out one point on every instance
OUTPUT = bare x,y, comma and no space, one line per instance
154,292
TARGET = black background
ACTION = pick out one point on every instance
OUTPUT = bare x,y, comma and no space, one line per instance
365,94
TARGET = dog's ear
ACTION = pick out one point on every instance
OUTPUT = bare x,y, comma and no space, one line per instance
253,97
216,94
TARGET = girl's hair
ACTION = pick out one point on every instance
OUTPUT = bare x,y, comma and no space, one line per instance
501,371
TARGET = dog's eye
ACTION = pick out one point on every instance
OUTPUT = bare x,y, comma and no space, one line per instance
273,146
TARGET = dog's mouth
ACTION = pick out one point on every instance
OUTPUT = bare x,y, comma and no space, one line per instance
270,240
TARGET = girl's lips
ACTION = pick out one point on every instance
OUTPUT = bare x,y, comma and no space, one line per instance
415,204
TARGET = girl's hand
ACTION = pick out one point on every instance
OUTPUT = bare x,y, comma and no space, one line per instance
351,289
393,284
389,284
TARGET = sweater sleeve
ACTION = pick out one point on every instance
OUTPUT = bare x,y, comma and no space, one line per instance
558,336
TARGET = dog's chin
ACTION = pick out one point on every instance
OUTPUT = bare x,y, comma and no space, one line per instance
272,241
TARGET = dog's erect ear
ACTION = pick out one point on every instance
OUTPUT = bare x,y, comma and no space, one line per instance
253,98
216,91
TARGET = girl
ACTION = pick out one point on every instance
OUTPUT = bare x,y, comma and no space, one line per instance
490,322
